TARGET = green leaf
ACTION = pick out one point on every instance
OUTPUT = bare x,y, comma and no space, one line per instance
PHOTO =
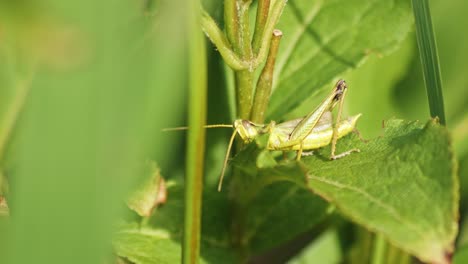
461,256
326,249
149,245
278,212
462,240
323,39
402,185
158,238
273,199
146,245
150,193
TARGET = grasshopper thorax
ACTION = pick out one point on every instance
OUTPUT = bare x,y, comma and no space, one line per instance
246,129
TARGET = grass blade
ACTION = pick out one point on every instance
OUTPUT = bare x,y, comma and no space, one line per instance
429,58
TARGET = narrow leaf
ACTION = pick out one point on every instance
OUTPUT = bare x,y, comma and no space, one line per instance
429,58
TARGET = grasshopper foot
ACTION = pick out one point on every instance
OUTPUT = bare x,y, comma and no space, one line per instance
307,153
346,153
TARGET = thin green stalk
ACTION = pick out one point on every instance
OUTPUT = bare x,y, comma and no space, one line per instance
262,94
195,136
272,20
263,9
244,87
429,58
244,34
244,78
217,37
362,247
396,255
231,22
379,250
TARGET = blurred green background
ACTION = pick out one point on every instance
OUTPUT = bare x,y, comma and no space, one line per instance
87,86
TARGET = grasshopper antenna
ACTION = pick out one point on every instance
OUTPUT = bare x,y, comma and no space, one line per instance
226,158
186,127
231,141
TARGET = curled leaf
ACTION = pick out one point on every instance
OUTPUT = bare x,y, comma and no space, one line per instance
151,193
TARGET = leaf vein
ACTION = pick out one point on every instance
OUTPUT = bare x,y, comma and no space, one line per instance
297,35
390,210
325,44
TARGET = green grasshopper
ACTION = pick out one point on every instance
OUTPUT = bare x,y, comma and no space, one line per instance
313,131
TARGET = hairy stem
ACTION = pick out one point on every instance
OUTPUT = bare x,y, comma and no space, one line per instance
244,87
262,15
272,20
244,22
231,22
217,37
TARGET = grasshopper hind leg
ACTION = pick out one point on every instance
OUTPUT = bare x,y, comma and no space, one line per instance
335,133
299,152
344,154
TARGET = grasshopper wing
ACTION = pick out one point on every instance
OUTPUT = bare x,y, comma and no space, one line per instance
286,128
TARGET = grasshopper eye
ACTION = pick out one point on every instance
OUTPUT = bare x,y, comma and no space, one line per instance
246,129
247,124
250,128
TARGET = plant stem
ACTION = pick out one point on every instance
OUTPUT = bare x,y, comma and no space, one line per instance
272,20
362,247
379,248
395,255
195,137
217,37
244,87
262,15
262,94
244,23
429,58
244,78
231,22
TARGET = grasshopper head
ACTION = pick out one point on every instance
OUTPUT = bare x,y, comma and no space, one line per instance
246,129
